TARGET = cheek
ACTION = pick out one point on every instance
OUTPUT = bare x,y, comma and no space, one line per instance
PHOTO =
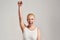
32,20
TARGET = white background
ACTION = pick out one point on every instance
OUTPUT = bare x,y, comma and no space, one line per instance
47,18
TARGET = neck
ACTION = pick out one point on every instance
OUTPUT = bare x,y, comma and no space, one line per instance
31,25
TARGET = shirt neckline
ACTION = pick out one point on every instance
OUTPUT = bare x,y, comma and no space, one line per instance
31,30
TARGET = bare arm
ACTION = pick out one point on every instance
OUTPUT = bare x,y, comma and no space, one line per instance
38,38
20,15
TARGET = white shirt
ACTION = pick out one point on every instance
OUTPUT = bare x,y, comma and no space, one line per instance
30,34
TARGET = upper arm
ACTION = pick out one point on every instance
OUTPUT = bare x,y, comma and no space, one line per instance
38,34
22,25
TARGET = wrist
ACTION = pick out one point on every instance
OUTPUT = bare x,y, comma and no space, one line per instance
20,6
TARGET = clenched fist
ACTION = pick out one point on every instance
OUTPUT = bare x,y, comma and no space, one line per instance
19,3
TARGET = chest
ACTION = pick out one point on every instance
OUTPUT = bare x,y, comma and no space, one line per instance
30,34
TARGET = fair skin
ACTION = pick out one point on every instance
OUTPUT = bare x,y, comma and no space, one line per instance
30,20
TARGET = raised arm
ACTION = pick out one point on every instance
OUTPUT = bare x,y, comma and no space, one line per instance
22,26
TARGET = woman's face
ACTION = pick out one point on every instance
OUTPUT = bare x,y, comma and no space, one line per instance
30,19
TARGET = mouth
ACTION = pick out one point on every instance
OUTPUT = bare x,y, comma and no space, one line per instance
30,22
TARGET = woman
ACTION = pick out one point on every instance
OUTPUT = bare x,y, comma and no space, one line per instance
30,32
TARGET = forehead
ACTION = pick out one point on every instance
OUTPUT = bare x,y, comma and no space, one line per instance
30,16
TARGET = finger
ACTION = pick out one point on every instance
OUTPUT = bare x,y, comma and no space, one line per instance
19,2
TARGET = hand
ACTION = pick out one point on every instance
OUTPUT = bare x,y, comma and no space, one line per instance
19,3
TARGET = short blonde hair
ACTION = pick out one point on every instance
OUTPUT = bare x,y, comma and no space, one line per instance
30,14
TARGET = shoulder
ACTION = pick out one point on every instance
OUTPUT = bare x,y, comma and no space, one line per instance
38,33
38,29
